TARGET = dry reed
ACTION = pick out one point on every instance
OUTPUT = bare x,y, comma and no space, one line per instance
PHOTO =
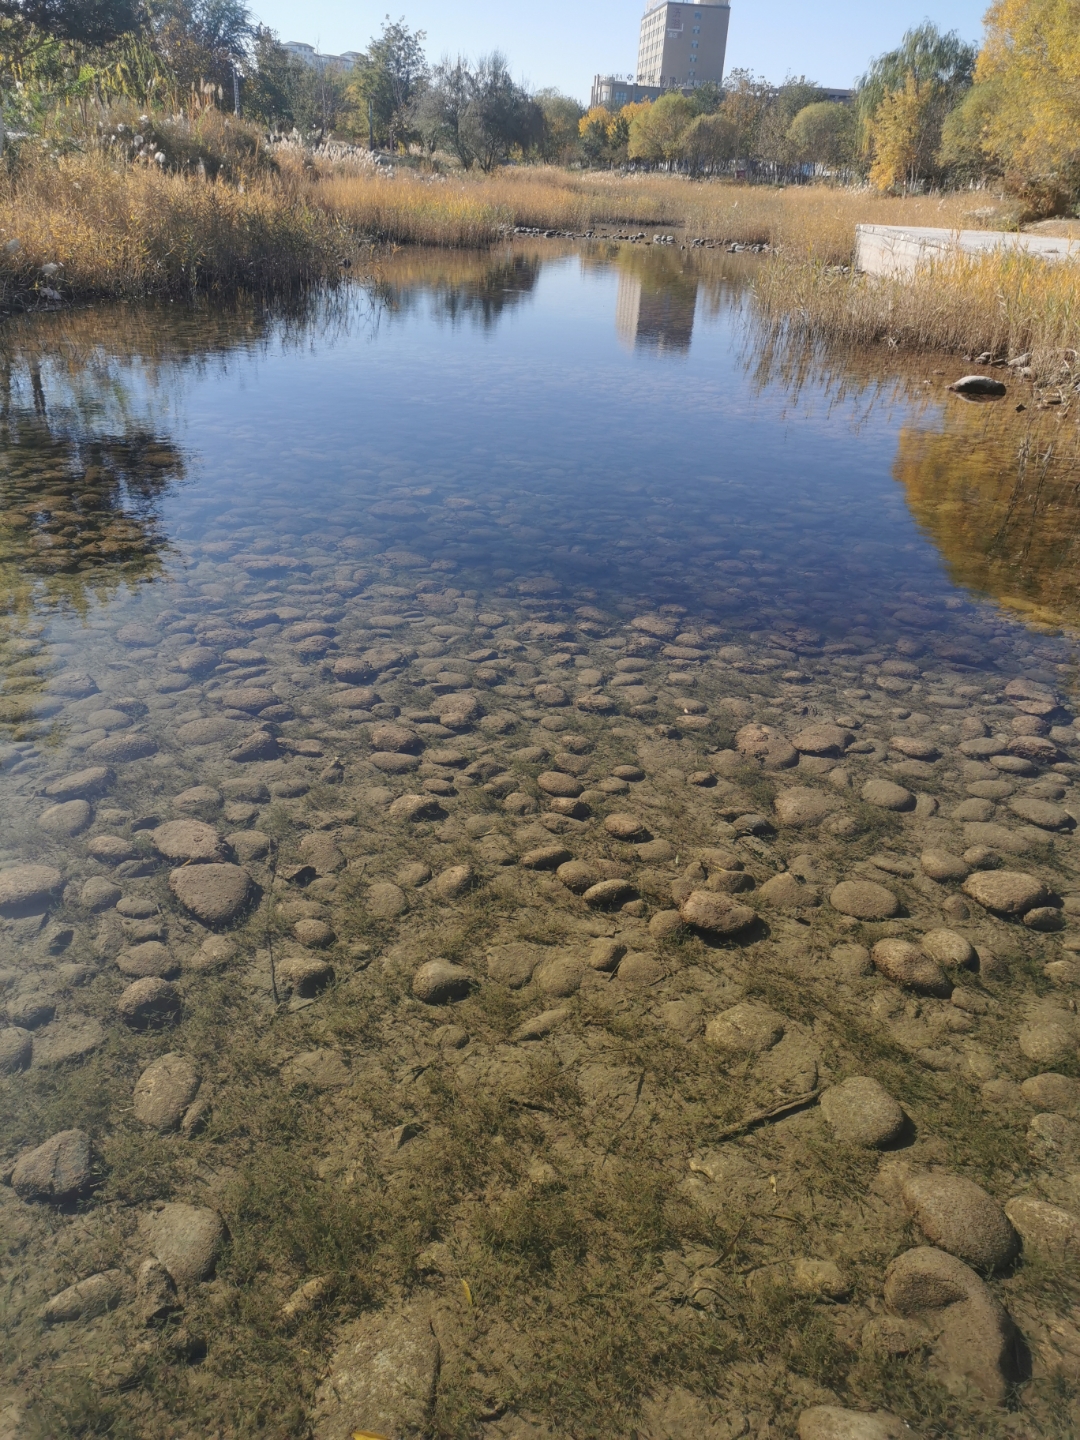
1004,304
128,231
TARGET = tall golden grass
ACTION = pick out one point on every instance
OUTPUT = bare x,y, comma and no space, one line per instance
1005,304
122,231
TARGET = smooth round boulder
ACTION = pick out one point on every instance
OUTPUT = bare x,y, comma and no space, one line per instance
186,1239
822,739
164,1091
554,782
577,875
385,900
715,913
315,934
69,817
149,1003
862,1112
1046,1040
802,805
786,892
959,1217
197,797
943,867
1006,892
187,840
747,1027
609,894
949,948
1043,813
16,1049
451,884
99,894
887,795
1044,1229
27,889
395,739
830,1422
864,900
149,958
439,982
624,827
215,894
81,784
58,1171
119,749
905,964
1051,1091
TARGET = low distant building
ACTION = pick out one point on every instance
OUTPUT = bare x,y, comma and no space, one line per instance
615,91
310,56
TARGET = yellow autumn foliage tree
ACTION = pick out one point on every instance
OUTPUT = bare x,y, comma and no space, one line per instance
897,127
1031,63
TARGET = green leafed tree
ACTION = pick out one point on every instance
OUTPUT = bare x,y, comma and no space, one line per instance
559,141
823,134
655,131
388,81
85,22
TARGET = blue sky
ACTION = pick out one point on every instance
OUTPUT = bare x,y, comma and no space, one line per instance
563,43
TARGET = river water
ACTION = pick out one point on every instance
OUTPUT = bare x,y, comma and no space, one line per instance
324,597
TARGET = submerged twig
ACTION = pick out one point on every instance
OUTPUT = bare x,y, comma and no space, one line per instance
798,1102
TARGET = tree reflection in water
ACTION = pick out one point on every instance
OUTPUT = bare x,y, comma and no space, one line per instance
996,489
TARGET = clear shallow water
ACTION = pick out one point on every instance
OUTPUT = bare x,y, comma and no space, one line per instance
514,503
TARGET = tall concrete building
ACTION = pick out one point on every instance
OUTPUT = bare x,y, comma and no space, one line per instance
683,45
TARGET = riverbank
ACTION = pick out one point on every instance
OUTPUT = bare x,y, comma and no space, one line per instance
136,231
82,228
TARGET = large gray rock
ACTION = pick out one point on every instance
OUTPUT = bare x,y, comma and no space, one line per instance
28,889
187,1239
16,1049
438,982
82,784
214,894
959,1216
864,900
191,840
382,1378
164,1090
149,1003
1045,1229
1006,892
716,914
69,817
862,1112
830,1422
887,795
746,1027
1054,1092
905,964
61,1169
802,805
973,1341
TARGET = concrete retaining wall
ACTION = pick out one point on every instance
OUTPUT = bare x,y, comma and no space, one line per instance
898,251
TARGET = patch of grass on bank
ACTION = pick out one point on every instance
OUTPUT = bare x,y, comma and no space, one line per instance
1004,304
